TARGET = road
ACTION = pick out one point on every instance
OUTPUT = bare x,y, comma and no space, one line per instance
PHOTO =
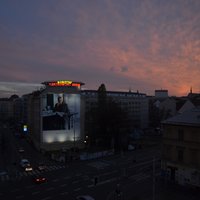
68,181
134,171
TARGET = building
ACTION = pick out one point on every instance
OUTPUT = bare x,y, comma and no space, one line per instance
7,108
119,136
161,93
135,103
161,109
181,148
58,128
49,132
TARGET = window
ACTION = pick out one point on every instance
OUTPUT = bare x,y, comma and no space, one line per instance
180,135
180,155
194,156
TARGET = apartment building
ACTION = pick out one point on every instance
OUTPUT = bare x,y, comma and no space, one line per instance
135,103
181,148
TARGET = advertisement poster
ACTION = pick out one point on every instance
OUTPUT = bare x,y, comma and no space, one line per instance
60,117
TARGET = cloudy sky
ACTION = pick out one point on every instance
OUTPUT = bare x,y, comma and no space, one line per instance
126,44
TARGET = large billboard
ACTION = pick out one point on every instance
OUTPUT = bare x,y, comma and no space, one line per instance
60,117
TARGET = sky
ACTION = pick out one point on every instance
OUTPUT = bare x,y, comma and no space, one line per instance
141,45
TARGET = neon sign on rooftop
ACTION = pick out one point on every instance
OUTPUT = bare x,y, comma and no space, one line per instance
63,83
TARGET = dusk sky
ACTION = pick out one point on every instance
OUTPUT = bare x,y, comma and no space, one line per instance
140,45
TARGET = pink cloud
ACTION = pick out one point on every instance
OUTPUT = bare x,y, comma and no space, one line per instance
159,45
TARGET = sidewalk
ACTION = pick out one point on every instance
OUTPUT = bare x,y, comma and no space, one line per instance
173,191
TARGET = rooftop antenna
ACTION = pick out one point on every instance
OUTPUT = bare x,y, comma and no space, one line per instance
191,90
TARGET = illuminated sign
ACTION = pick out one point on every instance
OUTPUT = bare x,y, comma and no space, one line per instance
63,83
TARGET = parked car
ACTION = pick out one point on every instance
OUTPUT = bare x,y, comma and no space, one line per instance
84,197
26,165
39,179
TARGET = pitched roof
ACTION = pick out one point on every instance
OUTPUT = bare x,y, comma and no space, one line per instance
187,118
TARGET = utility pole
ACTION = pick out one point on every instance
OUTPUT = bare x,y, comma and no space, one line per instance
74,133
154,179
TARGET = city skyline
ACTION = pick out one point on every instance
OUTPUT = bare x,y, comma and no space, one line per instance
138,45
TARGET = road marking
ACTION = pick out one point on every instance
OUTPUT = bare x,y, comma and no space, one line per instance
30,186
108,173
135,176
63,185
34,193
107,181
46,198
4,178
89,186
64,193
77,189
103,182
15,190
85,177
48,189
29,173
74,182
37,171
66,177
98,164
19,197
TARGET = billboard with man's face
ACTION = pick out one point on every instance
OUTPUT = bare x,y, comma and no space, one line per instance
60,117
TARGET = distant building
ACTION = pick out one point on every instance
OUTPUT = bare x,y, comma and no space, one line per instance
181,148
161,109
161,93
7,108
135,103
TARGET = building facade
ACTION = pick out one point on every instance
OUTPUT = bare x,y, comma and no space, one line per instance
134,103
55,116
67,129
6,109
181,148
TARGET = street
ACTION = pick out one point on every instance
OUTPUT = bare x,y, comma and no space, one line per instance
133,175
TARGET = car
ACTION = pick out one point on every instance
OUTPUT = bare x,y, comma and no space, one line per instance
131,147
39,179
26,165
84,197
21,150
3,173
41,166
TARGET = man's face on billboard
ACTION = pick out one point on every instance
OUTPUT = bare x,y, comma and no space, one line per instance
60,99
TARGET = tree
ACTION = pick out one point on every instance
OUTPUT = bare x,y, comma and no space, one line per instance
107,121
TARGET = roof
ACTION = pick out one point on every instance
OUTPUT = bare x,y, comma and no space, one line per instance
114,92
187,118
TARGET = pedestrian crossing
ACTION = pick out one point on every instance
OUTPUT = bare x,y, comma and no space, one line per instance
99,164
20,175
